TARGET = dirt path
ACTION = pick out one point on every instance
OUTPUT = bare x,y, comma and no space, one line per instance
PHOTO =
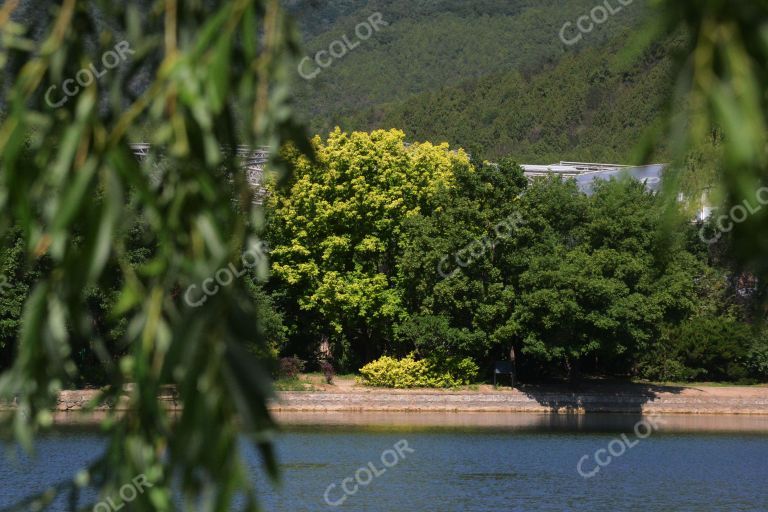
346,395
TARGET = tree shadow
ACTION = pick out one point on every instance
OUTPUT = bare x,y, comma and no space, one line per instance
597,396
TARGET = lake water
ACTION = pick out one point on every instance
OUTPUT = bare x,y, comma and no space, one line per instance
529,466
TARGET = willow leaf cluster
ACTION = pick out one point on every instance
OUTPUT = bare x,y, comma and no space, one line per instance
200,79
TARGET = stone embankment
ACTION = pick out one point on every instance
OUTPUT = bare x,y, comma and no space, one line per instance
682,401
79,400
643,400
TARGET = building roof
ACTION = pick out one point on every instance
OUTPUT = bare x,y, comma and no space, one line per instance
586,174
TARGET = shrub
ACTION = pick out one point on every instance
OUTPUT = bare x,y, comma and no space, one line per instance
757,359
389,372
424,373
327,368
290,367
461,370
704,348
665,370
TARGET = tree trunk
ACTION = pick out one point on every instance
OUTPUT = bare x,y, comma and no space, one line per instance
513,360
574,371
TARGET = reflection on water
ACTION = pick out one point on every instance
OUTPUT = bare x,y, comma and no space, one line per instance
593,422
476,462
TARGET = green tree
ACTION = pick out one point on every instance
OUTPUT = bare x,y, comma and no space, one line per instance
714,348
457,269
15,282
600,279
336,229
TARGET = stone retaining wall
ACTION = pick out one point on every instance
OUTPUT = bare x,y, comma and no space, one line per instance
519,402
468,401
70,401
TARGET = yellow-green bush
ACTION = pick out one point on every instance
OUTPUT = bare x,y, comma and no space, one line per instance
408,372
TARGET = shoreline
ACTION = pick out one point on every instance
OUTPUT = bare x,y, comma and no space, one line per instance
537,400
521,422
620,399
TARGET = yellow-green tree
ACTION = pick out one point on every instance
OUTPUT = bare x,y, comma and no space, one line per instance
337,227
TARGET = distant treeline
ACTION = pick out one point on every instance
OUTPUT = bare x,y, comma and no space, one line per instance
383,248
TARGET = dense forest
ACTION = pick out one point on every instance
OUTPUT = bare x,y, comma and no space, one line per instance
379,247
597,114
386,248
492,76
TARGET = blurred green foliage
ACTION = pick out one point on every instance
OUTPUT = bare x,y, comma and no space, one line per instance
719,96
102,243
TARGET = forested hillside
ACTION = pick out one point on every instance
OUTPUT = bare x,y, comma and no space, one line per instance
590,107
487,75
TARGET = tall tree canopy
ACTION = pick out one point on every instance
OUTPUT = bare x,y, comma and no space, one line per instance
337,232
600,279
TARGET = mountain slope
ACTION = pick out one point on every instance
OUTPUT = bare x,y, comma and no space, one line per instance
431,45
589,107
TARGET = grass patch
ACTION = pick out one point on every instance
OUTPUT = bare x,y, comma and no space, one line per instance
294,384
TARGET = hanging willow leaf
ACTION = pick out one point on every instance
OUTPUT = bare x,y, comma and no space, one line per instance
719,108
195,79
